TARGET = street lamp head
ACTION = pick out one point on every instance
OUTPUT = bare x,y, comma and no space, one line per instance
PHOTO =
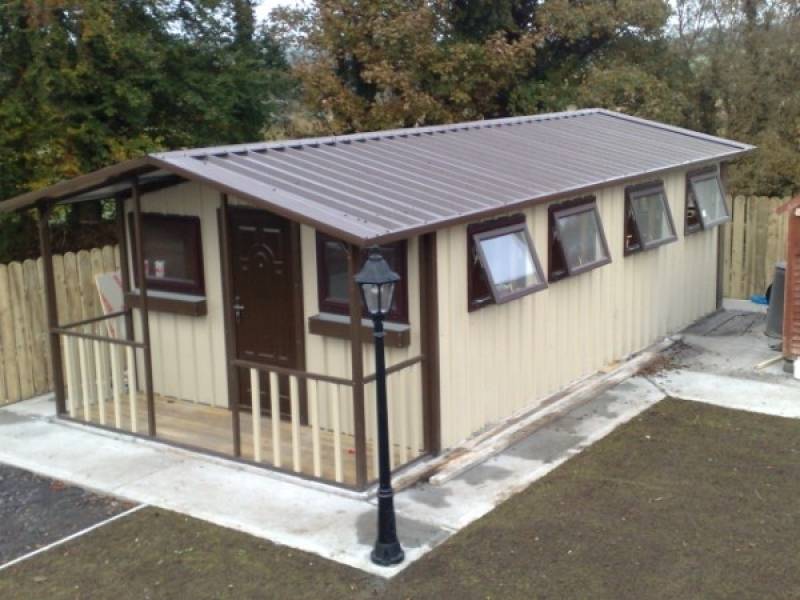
377,282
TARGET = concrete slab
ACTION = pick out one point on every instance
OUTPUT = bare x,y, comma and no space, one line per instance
315,519
716,364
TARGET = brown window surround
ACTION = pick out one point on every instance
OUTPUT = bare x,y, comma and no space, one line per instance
694,218
561,264
176,239
481,288
332,274
635,241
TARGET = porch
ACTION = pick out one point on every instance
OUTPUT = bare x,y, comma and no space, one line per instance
104,373
323,447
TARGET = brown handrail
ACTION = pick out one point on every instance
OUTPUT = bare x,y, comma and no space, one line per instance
403,364
120,313
247,364
96,338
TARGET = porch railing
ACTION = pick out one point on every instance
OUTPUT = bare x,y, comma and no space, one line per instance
321,442
100,369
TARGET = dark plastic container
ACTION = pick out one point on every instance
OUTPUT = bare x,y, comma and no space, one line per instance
775,310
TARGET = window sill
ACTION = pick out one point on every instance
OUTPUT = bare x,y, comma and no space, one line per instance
169,302
398,335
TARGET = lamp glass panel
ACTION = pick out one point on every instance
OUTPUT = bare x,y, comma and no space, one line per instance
372,292
386,295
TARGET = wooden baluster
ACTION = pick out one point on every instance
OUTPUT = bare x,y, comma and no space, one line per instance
100,383
132,392
391,405
85,391
401,394
275,407
69,367
372,427
116,386
417,425
313,410
255,416
295,413
337,433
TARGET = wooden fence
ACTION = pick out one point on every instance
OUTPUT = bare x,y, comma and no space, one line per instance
755,240
24,356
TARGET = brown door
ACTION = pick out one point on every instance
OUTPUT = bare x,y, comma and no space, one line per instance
267,305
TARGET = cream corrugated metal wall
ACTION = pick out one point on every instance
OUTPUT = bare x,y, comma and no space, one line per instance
506,358
189,352
332,356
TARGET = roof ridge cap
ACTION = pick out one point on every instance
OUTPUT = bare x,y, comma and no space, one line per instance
371,135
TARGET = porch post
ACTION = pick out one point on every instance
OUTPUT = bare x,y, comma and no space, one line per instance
124,266
429,329
143,308
51,308
357,360
230,327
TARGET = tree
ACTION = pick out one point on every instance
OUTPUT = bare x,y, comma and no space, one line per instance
744,57
368,64
87,83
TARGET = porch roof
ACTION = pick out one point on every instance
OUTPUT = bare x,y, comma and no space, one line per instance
387,185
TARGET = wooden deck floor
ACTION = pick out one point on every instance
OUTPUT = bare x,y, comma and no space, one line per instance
209,428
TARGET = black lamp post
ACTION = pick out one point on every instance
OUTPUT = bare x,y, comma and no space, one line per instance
377,282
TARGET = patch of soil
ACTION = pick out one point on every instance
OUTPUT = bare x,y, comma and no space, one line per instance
36,511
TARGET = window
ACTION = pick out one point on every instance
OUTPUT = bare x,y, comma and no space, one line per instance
705,200
577,241
648,221
333,281
173,255
502,262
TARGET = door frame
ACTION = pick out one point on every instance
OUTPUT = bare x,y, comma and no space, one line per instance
229,288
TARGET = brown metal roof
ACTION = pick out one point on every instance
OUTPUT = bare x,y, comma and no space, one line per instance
392,184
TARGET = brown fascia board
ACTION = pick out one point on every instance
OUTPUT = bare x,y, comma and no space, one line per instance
78,185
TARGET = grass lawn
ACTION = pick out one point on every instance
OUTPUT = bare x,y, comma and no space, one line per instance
686,501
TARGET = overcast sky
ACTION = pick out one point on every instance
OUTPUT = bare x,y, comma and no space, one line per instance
262,10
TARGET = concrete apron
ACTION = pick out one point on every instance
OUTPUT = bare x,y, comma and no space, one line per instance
316,519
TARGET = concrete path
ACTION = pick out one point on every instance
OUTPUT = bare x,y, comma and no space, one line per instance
716,364
312,518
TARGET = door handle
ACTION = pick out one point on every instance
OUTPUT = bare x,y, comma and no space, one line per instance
238,309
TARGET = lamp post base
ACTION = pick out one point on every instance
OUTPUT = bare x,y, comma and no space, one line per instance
387,554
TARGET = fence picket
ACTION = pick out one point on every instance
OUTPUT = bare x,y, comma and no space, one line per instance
7,340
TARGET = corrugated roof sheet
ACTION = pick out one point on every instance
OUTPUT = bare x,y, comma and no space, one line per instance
391,184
